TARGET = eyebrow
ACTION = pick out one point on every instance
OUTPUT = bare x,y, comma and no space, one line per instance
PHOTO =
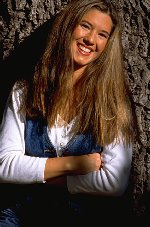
107,33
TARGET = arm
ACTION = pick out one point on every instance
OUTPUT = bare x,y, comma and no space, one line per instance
111,179
16,167
72,165
58,168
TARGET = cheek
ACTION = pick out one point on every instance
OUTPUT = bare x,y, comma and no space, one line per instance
78,33
102,45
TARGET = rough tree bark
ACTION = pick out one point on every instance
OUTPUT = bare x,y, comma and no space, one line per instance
23,27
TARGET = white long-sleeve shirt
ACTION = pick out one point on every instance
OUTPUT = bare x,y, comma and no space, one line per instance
16,167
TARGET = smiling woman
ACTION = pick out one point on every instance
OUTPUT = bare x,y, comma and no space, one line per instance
66,134
90,37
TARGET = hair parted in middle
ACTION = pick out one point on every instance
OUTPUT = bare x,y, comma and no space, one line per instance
98,100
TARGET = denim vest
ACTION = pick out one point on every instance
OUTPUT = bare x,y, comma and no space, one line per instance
38,144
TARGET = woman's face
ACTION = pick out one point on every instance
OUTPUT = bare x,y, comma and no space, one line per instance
90,37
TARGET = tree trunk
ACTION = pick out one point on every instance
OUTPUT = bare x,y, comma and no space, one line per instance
135,16
24,25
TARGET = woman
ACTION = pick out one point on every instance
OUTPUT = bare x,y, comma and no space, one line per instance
66,135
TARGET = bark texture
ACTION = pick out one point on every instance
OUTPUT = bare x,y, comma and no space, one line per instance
23,28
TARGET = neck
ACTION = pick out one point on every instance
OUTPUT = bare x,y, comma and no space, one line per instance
78,72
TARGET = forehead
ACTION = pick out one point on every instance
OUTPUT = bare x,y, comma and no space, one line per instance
98,18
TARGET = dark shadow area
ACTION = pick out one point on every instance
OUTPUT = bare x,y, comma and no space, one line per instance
21,62
145,200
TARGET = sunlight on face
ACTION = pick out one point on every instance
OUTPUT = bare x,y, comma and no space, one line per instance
90,37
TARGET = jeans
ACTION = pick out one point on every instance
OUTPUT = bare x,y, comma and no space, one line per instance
8,218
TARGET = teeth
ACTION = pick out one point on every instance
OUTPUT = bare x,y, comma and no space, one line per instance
84,49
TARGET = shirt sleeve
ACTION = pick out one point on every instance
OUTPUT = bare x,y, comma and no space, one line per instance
111,179
15,166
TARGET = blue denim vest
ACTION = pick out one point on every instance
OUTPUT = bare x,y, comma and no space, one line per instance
38,144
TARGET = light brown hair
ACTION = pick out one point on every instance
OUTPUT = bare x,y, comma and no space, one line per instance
100,99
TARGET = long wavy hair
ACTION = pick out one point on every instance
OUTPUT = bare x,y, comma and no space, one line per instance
100,100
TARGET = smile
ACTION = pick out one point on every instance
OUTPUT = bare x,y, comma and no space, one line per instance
84,49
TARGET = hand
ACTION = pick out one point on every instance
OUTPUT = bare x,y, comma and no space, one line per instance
85,163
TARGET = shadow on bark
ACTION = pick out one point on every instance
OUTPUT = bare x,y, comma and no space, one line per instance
21,62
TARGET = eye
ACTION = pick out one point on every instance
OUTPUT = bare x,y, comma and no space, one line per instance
103,35
84,25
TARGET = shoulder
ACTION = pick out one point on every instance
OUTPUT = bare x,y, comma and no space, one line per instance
16,95
15,98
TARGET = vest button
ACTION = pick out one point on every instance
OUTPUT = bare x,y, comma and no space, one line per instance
61,144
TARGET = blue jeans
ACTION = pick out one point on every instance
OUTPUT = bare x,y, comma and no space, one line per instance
8,218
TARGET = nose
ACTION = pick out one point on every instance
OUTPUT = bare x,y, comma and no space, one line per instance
89,39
